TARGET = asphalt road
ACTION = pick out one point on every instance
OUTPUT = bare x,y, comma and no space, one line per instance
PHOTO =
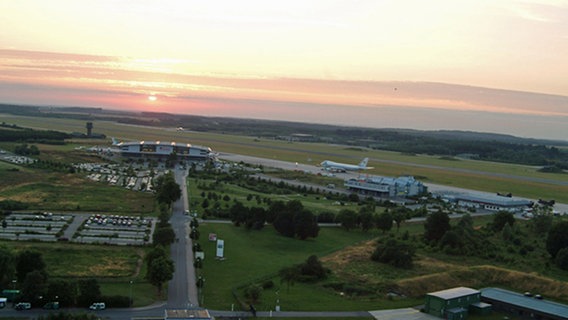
182,292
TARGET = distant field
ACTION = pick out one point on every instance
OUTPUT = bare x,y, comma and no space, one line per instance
388,163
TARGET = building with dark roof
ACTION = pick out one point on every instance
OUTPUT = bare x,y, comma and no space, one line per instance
525,306
451,303
162,149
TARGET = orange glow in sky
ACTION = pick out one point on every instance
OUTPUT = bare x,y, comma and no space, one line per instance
294,59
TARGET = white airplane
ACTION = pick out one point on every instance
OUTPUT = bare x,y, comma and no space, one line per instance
342,167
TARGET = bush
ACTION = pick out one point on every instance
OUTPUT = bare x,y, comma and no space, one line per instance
268,284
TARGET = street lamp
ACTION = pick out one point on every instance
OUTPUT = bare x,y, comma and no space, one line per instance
277,308
14,284
130,299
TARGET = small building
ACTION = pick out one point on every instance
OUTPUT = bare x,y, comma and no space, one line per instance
451,303
187,314
524,306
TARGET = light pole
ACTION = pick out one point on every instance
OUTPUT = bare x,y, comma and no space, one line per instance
130,295
277,308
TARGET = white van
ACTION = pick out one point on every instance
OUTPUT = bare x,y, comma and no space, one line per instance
98,306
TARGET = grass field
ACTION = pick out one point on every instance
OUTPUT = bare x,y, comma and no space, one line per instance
114,267
256,256
56,191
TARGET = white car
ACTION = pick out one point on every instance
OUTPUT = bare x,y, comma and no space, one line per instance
98,306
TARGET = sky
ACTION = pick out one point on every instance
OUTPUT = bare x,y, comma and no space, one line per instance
494,66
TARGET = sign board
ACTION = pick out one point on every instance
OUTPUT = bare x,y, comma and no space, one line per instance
220,248
212,237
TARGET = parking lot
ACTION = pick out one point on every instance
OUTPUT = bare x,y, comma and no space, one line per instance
79,227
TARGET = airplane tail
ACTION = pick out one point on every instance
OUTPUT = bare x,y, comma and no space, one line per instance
114,141
363,163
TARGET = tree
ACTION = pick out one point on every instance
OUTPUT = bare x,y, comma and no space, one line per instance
562,258
347,218
34,286
28,261
436,226
466,223
399,215
366,219
384,221
305,225
156,252
256,218
7,263
160,271
289,275
557,238
238,213
542,219
284,224
396,254
167,190
194,234
312,269
89,291
501,218
451,242
164,236
63,291
253,292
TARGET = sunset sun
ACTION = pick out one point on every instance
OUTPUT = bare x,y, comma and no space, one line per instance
152,98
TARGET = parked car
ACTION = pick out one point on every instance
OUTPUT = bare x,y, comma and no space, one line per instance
53,305
23,306
98,306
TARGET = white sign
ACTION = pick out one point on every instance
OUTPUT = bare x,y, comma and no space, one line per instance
220,248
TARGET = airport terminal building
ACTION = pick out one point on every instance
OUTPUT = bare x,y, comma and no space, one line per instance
405,186
162,149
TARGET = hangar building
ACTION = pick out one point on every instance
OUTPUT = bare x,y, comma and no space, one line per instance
488,202
162,149
524,306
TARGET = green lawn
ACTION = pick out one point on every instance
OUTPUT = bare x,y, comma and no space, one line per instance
254,255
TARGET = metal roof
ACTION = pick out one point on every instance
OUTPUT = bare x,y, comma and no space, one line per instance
162,143
454,293
520,300
492,199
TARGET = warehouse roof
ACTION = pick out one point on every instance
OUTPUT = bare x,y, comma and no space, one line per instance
527,302
454,293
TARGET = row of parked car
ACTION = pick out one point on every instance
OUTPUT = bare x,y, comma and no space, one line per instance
55,305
